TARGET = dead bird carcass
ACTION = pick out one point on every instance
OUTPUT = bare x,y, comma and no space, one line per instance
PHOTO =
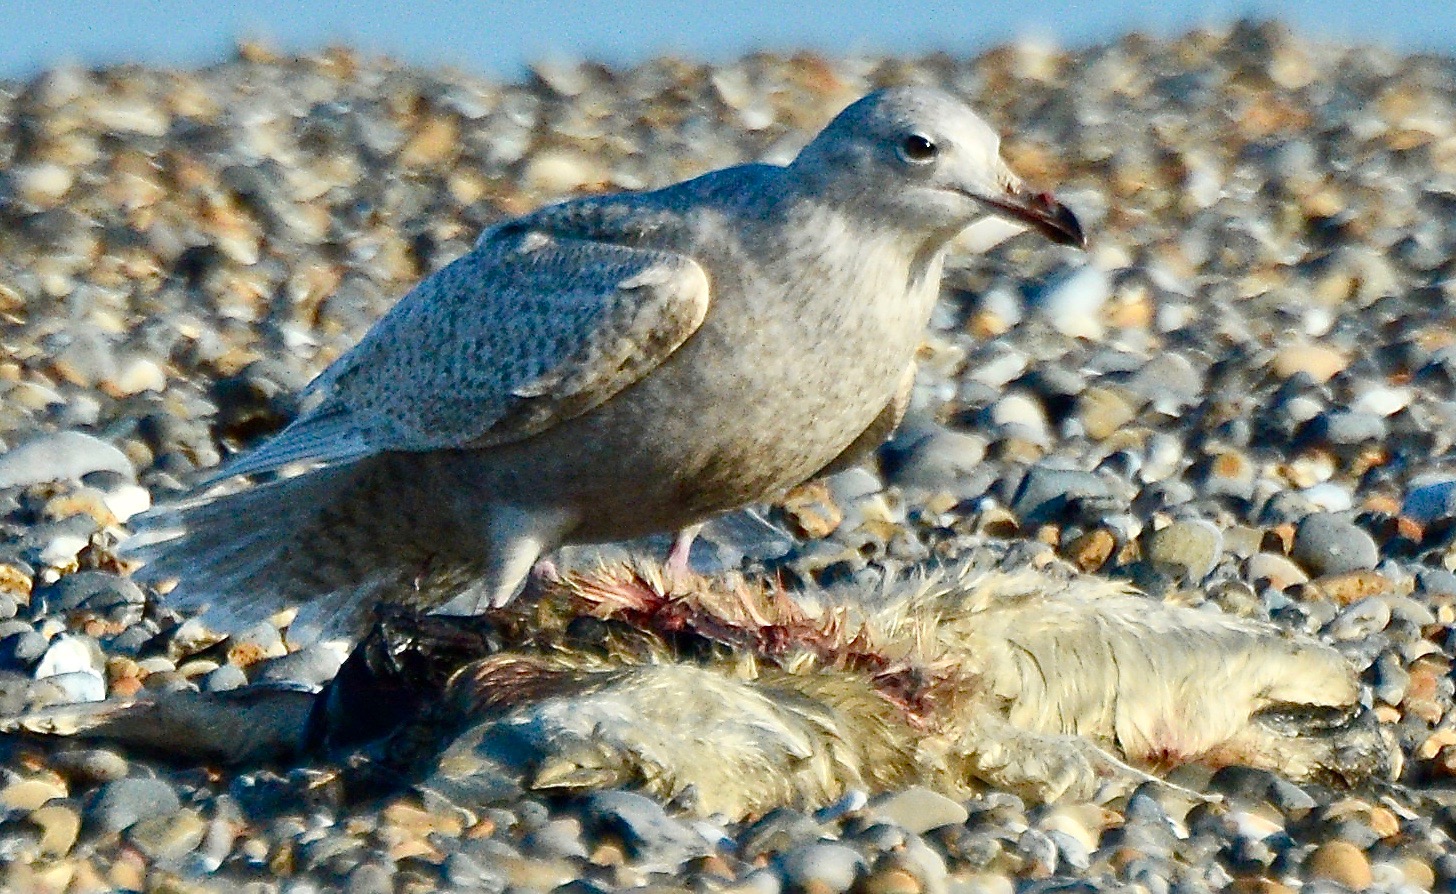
734,698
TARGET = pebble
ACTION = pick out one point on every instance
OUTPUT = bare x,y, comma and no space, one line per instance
60,825
124,803
1188,547
89,766
1104,411
1045,492
66,455
1019,416
1325,543
1073,302
1279,572
68,654
650,835
821,868
167,839
1430,502
30,794
1227,472
310,667
919,809
1341,862
1319,362
936,461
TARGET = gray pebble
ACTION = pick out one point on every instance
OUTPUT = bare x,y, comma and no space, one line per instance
1187,547
1328,544
778,830
224,678
640,822
20,651
1168,381
310,667
465,873
935,461
64,455
555,839
90,766
1045,492
820,867
1430,502
1347,428
371,878
121,804
93,590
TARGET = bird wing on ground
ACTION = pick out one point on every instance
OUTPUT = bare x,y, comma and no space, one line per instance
521,334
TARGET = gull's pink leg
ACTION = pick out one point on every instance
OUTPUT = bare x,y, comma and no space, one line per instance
682,545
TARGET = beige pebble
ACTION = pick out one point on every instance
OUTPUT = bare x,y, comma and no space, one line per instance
1441,738
1341,862
558,172
81,501
1104,411
30,794
43,184
1416,872
15,581
811,510
128,871
1384,822
55,877
1090,551
59,825
169,838
88,880
433,143
137,374
1277,570
1319,361
889,881
1353,586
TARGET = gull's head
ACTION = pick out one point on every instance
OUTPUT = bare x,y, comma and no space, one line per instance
920,159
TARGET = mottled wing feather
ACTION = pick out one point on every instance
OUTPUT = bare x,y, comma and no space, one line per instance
526,331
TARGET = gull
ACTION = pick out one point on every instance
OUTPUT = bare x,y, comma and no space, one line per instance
601,369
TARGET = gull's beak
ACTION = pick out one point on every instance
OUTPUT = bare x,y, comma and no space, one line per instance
1042,212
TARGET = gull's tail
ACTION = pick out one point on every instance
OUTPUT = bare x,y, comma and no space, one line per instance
329,542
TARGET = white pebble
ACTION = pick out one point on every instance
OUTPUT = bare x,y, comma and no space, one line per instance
1073,303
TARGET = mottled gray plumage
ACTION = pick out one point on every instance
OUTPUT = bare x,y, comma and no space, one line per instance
605,368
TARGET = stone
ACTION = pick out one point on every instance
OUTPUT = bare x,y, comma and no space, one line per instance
918,809
1187,547
1325,543
65,455
121,804
821,868
1340,862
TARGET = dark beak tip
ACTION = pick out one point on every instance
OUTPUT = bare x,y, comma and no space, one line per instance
1063,227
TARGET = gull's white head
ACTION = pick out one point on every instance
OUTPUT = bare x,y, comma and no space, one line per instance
920,159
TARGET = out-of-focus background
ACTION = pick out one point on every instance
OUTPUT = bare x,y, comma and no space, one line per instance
498,38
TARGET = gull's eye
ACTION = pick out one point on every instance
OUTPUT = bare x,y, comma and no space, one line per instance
918,148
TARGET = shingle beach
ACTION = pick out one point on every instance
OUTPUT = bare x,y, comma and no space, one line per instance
1243,397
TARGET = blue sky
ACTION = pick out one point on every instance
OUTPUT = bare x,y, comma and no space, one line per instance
500,38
